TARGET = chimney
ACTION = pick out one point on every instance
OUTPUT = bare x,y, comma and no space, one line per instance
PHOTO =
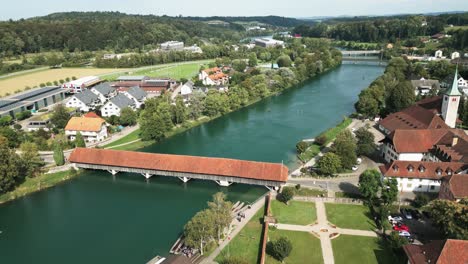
454,141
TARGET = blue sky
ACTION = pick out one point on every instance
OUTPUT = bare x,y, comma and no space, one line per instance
292,8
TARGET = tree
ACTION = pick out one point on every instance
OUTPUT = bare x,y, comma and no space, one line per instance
200,230
451,217
253,59
128,117
179,111
301,147
369,184
30,158
156,119
365,142
321,140
239,65
329,163
216,103
396,241
345,147
60,116
59,158
400,97
221,210
79,141
196,105
389,191
11,169
286,195
279,249
284,61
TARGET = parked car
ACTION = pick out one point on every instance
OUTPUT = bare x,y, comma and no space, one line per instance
406,214
355,168
396,218
358,161
404,234
401,228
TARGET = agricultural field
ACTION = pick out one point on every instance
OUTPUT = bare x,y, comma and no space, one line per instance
21,81
176,71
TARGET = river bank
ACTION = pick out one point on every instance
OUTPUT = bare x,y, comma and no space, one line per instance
131,143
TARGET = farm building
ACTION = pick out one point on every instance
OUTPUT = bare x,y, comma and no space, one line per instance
30,100
77,86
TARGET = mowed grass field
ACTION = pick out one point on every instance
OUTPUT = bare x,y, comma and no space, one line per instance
19,82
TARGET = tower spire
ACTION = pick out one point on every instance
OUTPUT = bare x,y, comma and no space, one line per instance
453,90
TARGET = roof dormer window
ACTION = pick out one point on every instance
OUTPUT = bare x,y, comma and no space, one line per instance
439,171
421,168
395,167
449,171
410,168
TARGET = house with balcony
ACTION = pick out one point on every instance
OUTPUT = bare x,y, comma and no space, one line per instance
104,91
84,101
116,104
93,129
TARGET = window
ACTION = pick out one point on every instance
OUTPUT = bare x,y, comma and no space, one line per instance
409,185
432,187
420,186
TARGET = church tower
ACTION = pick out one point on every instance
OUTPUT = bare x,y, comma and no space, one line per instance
450,103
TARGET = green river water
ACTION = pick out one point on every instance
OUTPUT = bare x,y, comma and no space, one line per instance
95,219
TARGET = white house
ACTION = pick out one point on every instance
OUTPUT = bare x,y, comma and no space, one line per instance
455,55
187,89
84,101
172,45
77,86
420,176
91,128
104,91
116,104
438,54
136,94
213,76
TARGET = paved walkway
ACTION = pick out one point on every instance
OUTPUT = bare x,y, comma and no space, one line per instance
323,229
238,226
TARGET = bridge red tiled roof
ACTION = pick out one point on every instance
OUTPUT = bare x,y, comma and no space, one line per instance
178,163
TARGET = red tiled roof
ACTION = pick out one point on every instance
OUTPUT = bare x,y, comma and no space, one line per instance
210,70
458,185
428,253
91,115
178,163
413,117
416,140
217,76
401,169
450,251
85,124
434,104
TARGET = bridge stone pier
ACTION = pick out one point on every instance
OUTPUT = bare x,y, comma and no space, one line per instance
223,171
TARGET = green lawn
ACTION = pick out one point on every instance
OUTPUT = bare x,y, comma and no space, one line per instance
306,247
350,216
128,138
296,213
304,191
358,249
38,183
330,134
246,244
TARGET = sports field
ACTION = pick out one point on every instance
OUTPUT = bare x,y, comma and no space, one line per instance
20,81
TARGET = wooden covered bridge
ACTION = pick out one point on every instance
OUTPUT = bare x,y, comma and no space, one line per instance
221,170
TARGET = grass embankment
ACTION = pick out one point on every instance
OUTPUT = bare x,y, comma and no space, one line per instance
295,213
305,247
306,192
246,245
38,183
359,249
350,216
330,135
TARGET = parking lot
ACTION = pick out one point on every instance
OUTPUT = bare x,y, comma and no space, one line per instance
421,229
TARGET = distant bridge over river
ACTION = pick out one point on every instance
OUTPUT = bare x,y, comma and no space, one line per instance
222,171
363,56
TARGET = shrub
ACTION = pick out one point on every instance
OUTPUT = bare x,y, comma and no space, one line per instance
42,85
73,78
27,88
421,200
23,115
321,140
56,83
301,147
17,126
67,79
279,249
5,120
49,84
298,186
62,81
286,195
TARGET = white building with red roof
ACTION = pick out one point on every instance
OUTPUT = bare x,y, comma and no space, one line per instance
213,76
